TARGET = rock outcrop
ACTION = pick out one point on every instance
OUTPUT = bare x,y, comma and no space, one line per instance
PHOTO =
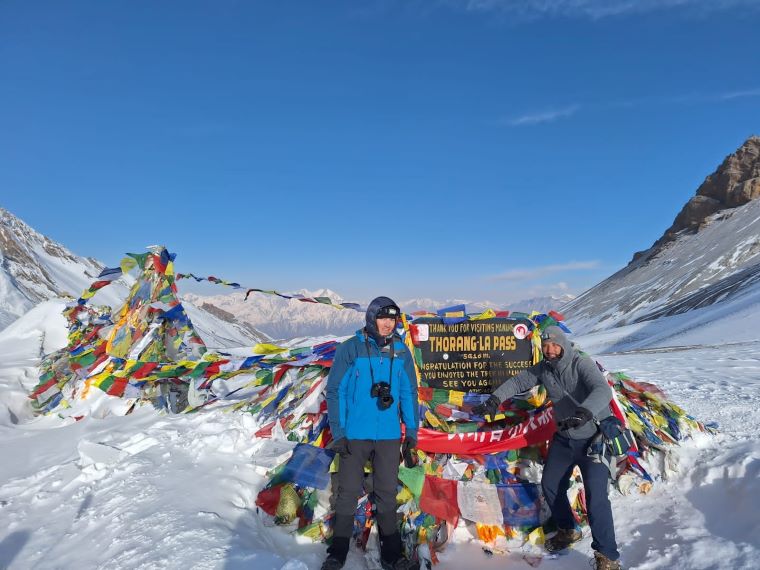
734,183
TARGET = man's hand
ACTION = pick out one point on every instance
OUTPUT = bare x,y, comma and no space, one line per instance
581,416
341,447
489,407
408,452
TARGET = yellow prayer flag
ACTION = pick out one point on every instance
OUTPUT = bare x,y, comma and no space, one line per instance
265,348
432,420
456,398
536,538
537,396
127,264
454,314
487,314
404,496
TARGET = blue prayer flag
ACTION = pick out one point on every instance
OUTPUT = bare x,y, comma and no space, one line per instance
309,466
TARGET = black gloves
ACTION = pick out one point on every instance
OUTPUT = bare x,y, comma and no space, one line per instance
340,446
489,407
408,452
581,416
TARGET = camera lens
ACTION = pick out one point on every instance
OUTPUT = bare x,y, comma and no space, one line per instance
385,402
382,391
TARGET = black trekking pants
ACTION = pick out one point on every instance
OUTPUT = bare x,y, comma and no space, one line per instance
385,456
564,455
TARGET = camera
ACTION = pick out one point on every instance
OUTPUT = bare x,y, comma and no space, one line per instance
382,391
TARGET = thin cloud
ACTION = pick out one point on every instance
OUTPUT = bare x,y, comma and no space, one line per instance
683,99
543,117
740,94
687,98
527,274
595,9
559,289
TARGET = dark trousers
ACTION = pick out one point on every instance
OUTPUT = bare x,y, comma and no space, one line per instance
385,456
564,455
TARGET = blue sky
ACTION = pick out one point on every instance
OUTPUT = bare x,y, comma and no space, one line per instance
478,149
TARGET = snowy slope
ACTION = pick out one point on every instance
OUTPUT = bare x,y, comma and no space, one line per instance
710,254
733,321
34,268
219,330
157,491
715,264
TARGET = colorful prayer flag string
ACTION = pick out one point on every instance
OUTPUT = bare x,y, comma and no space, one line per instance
295,296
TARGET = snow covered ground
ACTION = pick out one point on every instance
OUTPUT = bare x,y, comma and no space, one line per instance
158,491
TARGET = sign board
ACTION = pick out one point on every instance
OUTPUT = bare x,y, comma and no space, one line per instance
472,355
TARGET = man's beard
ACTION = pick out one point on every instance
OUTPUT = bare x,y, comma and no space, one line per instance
554,359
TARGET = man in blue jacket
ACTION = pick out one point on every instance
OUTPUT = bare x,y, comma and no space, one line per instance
579,394
371,390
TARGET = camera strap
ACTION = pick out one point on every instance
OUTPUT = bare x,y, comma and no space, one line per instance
369,360
570,396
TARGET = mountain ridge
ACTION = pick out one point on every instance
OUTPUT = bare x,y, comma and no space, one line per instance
285,319
35,269
697,262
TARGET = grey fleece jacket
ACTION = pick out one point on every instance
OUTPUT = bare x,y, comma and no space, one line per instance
578,375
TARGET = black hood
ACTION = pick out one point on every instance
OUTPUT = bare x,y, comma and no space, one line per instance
372,310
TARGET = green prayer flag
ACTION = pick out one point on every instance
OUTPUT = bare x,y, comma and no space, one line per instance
413,478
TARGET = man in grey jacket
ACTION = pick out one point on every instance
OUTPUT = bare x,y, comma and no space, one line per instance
580,394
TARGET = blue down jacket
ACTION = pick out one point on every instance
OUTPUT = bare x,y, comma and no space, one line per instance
352,411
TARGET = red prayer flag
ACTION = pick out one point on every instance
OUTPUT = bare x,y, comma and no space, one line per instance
268,499
439,498
144,370
424,394
118,387
443,410
556,316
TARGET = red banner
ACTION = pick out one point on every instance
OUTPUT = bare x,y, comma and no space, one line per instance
538,429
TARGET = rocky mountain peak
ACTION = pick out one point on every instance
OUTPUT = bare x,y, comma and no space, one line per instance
710,255
34,268
21,251
734,183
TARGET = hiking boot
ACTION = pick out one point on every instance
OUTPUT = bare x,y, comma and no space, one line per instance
563,539
601,562
336,553
332,563
391,557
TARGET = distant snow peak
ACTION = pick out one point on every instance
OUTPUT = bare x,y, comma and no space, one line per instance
542,304
285,318
330,294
